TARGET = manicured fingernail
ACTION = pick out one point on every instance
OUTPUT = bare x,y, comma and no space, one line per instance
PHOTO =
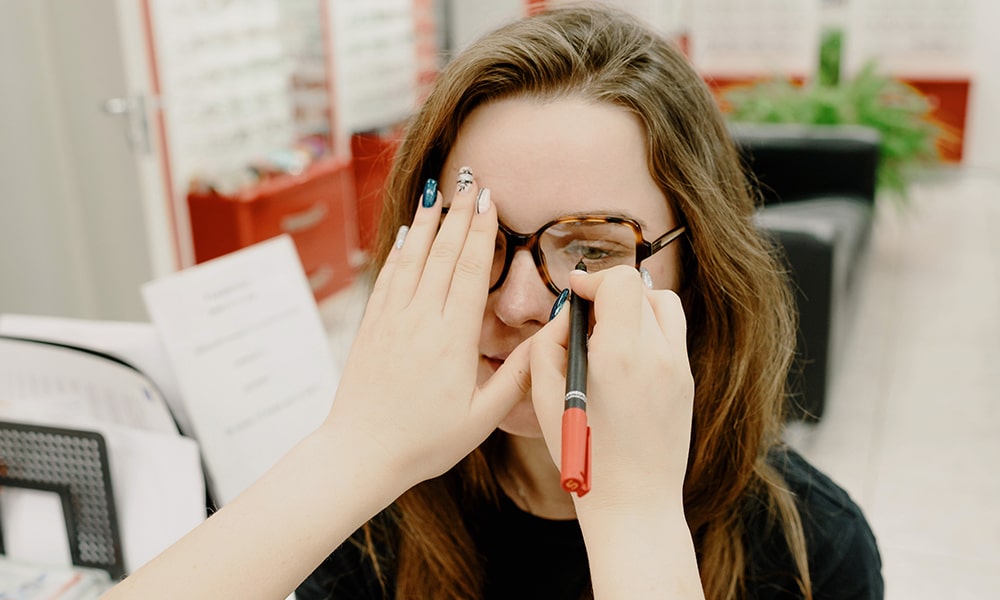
560,301
483,201
430,193
647,280
401,236
464,179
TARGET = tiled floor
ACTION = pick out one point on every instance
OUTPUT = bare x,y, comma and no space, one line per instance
912,424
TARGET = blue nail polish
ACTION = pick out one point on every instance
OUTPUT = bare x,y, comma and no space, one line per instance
560,301
430,193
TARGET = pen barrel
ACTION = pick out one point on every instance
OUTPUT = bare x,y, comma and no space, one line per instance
576,368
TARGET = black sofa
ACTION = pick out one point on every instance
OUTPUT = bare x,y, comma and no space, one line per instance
817,185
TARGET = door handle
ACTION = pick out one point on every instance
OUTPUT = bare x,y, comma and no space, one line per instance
134,109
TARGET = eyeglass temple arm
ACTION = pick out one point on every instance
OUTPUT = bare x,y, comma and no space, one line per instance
668,237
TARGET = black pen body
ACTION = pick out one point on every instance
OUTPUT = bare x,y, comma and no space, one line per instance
576,367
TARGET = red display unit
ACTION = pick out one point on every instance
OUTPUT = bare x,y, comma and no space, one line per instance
949,100
316,208
372,154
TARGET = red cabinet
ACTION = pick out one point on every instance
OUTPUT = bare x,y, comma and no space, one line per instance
317,209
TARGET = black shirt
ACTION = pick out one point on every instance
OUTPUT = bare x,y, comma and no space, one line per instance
530,557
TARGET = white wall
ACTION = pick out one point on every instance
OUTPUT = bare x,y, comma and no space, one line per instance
86,56
467,21
43,256
73,239
982,141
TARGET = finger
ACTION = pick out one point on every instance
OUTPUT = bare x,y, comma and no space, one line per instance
450,241
497,396
380,289
470,280
669,312
408,264
617,294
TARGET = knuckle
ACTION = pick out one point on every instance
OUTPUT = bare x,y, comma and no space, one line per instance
442,251
623,273
672,297
407,261
623,278
614,358
667,298
469,268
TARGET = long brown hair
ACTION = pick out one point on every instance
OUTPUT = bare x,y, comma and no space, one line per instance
738,305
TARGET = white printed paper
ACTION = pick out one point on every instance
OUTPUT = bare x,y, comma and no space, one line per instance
251,356
74,383
134,342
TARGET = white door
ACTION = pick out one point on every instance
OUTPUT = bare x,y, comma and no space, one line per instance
82,204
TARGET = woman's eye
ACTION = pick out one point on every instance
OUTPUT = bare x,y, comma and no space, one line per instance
591,251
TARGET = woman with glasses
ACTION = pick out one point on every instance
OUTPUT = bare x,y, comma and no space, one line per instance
597,141
575,135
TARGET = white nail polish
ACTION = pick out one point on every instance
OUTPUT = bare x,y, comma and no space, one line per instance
483,201
401,236
647,280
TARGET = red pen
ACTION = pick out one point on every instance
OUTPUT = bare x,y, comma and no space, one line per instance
575,475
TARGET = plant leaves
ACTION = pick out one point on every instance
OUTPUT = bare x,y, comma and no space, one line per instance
900,113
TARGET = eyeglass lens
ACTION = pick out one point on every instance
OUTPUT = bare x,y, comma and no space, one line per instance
562,245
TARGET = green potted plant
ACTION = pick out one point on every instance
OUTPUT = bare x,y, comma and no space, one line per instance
899,112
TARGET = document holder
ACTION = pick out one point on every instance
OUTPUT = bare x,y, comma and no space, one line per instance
73,464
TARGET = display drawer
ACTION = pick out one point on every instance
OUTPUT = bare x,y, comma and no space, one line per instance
318,209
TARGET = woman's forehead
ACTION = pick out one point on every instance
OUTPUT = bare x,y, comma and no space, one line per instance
547,159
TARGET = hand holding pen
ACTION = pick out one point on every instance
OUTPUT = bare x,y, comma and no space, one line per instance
639,391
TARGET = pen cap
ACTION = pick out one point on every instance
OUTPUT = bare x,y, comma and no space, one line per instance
575,458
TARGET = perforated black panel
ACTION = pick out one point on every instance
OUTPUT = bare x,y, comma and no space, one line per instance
75,465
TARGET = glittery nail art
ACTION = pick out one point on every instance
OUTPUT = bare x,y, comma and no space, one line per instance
559,303
401,236
464,179
430,193
647,280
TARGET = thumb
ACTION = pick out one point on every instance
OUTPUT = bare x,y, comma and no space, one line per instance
498,395
548,375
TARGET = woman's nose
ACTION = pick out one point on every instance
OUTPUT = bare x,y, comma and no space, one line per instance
523,298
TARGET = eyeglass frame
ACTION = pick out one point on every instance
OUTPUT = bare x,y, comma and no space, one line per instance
530,241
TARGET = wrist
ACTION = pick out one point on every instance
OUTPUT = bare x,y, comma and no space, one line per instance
641,554
623,498
354,464
665,514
